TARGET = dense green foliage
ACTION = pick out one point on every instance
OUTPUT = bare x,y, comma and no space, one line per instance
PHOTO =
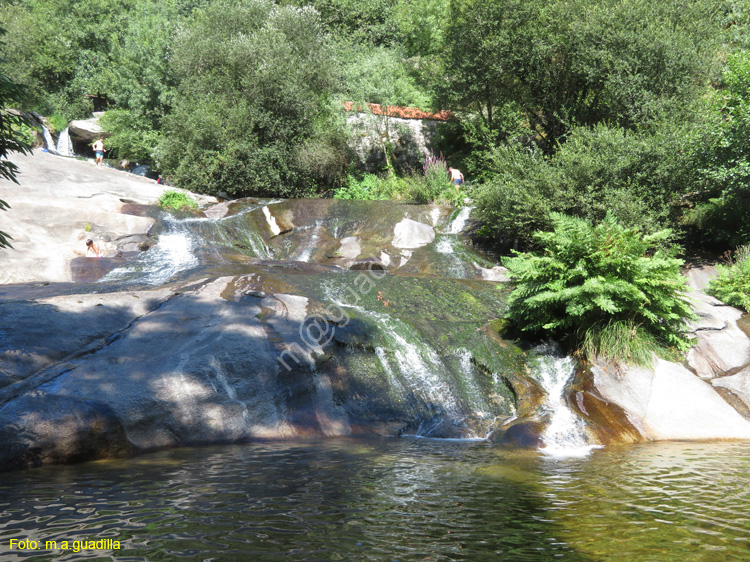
732,285
637,176
11,133
589,283
255,90
722,194
432,185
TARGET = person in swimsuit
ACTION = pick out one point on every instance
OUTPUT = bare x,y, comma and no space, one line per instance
92,248
99,151
457,178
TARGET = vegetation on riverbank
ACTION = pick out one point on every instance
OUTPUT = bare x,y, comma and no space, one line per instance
608,291
636,111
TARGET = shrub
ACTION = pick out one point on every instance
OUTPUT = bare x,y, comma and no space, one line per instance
591,283
177,200
435,177
636,176
732,285
369,188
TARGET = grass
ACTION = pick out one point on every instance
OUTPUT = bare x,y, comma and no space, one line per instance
622,342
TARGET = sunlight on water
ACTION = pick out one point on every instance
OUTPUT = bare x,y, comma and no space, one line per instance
394,499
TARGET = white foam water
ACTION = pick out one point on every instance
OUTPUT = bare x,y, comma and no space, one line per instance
459,221
64,144
564,436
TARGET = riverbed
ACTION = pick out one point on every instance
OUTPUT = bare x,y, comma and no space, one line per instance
389,499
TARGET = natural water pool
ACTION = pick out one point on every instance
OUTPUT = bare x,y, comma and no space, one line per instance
391,499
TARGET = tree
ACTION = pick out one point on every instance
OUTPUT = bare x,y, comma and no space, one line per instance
577,62
722,199
10,139
254,102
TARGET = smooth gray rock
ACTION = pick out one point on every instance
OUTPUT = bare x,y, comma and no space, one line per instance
40,428
669,402
86,130
410,234
738,383
60,203
722,346
40,332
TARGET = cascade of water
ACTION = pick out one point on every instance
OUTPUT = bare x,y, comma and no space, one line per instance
565,435
311,244
174,254
459,221
64,144
48,140
413,366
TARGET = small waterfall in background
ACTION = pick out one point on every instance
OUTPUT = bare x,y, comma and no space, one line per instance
64,144
459,221
449,245
565,436
48,140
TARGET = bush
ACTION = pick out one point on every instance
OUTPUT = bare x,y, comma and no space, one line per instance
732,285
636,176
591,283
177,200
369,188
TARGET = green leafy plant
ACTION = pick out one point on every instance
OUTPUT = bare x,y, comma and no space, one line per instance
591,284
732,285
58,122
369,188
177,200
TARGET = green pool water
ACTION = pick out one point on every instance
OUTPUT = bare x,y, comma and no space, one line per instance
395,499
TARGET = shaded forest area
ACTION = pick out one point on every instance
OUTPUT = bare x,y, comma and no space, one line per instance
639,109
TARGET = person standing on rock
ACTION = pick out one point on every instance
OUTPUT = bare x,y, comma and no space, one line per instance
92,248
457,178
99,151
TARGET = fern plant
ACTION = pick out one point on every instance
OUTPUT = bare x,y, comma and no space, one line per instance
591,282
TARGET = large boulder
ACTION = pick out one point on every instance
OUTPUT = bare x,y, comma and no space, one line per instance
272,353
668,402
40,428
410,234
86,130
59,204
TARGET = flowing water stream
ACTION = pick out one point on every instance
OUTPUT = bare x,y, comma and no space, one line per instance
396,499
64,144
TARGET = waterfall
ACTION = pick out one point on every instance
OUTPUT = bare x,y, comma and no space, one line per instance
174,254
48,140
459,221
413,367
311,244
564,437
64,144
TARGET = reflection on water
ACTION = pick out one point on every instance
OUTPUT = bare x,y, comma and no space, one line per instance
401,499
